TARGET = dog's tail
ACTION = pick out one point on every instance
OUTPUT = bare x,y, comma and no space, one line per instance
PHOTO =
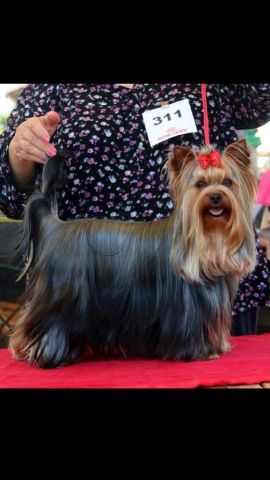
41,205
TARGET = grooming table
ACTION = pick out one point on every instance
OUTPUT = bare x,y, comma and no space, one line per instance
246,365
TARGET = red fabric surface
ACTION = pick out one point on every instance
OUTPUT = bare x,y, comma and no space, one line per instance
247,363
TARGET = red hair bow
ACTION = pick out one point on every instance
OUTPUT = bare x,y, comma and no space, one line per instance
212,159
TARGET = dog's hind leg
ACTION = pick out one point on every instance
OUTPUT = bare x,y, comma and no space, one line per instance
52,335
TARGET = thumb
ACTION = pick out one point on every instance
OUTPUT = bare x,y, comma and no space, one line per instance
50,121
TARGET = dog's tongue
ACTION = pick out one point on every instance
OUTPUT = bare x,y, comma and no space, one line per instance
216,212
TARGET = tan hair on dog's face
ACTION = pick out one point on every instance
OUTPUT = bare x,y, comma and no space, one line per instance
213,208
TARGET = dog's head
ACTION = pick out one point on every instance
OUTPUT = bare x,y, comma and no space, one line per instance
213,197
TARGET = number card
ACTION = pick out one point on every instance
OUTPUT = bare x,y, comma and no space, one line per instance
169,121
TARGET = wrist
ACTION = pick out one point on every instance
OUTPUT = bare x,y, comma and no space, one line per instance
23,170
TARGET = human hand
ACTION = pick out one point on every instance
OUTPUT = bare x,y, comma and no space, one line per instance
31,144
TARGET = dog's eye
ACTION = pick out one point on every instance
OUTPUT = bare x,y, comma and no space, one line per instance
227,182
201,184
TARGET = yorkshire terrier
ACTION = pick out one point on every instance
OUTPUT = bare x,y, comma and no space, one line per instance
163,289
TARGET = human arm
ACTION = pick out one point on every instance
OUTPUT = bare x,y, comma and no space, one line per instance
251,104
20,163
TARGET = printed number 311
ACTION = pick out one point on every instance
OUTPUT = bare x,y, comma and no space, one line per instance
159,120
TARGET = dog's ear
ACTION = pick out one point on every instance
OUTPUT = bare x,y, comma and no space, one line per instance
180,156
240,152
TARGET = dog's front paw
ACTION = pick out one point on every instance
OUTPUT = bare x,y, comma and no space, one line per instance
225,347
212,356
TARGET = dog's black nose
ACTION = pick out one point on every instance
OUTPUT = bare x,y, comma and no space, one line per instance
215,199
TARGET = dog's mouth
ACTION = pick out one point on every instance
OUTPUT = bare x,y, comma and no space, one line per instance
216,212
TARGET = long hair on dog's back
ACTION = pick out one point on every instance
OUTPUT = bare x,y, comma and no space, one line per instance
120,287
